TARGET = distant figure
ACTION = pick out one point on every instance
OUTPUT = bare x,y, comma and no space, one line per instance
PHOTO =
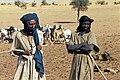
59,33
52,33
81,44
27,45
46,34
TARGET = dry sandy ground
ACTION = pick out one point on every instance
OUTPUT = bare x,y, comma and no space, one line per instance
57,60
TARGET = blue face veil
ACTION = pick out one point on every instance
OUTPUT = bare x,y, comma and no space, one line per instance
33,32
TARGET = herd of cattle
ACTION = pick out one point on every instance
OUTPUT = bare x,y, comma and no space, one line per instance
52,34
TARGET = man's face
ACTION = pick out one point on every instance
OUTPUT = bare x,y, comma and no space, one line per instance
32,23
86,25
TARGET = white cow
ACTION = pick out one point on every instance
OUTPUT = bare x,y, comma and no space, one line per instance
46,33
6,34
67,34
3,34
4,31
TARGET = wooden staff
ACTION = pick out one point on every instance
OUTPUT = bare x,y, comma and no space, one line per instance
11,51
5,51
97,66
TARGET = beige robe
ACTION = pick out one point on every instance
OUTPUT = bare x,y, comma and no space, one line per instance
82,65
26,64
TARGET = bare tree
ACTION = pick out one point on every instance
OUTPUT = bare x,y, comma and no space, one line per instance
44,2
80,5
21,4
34,4
17,3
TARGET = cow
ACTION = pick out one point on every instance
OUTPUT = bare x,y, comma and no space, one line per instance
6,34
67,35
3,34
46,33
58,34
10,31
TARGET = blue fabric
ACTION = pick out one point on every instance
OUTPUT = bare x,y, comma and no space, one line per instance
25,20
38,55
28,17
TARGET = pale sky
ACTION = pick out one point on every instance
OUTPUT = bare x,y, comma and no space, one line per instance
29,0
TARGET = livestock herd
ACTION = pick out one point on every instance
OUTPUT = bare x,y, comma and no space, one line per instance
52,34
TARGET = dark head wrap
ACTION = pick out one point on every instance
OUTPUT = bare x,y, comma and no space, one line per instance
81,20
25,20
33,32
85,18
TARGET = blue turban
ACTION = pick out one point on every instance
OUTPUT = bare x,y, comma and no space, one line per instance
25,20
30,16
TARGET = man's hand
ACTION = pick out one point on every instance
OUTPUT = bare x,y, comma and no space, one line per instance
39,47
86,48
28,52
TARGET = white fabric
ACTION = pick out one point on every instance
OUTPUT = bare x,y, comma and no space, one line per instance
26,64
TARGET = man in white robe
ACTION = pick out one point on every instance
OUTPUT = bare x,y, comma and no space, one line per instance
27,45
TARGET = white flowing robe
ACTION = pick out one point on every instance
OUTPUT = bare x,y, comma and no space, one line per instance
26,64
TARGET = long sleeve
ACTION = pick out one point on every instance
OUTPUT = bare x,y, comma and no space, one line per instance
92,40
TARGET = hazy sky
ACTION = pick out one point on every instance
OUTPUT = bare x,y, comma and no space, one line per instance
28,0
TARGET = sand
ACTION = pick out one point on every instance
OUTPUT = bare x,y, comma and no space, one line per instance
57,61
